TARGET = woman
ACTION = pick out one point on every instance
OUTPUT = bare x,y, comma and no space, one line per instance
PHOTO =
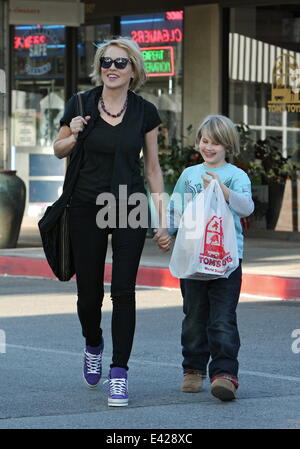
117,124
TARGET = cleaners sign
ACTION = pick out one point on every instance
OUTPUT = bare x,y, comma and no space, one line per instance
159,61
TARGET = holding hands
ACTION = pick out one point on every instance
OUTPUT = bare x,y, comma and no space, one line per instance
163,239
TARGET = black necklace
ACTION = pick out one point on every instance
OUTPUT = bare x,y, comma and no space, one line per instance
109,113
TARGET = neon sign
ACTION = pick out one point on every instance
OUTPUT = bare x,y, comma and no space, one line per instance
36,40
159,61
174,15
153,36
25,43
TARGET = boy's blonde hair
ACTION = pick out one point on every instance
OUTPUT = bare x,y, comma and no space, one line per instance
221,130
134,54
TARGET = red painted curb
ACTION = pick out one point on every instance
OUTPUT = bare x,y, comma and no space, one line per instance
253,284
23,266
271,286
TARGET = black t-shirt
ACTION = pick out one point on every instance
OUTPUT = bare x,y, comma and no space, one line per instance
100,147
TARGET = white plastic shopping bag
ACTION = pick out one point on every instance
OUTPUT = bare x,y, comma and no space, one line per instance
206,245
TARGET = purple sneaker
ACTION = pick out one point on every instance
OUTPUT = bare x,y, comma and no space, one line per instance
118,387
92,367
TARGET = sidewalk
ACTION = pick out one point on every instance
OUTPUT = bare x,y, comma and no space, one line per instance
271,268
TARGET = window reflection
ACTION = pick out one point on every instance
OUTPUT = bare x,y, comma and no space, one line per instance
264,77
160,38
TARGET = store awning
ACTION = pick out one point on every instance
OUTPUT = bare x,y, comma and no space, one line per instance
128,7
254,61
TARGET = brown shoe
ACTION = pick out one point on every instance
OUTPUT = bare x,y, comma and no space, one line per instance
223,389
192,383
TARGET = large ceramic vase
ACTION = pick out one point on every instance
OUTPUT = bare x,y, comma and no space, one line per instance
12,204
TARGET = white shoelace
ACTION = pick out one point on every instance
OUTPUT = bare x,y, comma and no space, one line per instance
93,362
117,386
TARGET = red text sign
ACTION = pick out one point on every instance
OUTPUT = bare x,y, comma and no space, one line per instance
156,36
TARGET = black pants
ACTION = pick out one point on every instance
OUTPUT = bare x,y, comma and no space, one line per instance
89,246
209,328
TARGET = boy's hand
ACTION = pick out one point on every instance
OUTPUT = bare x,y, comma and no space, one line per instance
206,182
163,239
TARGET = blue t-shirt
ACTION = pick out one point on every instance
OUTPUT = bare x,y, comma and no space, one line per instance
190,183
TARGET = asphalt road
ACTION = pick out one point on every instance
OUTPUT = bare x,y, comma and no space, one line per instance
41,365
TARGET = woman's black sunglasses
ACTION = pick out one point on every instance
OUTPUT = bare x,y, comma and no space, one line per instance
120,63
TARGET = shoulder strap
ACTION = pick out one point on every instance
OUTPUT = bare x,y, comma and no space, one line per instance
79,112
79,105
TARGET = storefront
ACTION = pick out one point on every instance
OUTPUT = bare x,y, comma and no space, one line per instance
264,86
201,57
160,37
39,67
41,83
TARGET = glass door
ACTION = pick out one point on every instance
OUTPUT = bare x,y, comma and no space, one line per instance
37,104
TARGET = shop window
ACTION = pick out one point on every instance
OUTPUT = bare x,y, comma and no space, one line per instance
38,84
37,104
160,39
45,165
89,36
44,191
264,92
264,71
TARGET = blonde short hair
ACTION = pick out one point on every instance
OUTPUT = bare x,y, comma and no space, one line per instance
134,54
221,130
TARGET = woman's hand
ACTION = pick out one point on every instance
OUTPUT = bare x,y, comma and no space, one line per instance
206,182
67,136
77,124
163,239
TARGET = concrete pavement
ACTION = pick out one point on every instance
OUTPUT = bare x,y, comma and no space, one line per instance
41,381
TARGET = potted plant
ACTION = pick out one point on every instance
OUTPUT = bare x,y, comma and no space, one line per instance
274,169
175,157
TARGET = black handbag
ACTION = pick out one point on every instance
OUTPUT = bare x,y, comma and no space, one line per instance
54,226
57,246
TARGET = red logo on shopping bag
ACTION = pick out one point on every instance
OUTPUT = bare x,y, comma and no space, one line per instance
214,253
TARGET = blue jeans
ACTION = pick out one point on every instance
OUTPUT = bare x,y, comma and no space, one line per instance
209,328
